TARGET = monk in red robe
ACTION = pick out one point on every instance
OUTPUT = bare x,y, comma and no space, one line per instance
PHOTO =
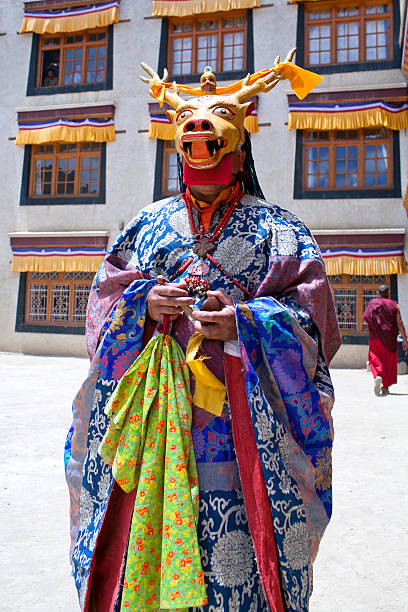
384,321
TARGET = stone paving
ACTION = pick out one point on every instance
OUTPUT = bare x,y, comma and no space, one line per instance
362,565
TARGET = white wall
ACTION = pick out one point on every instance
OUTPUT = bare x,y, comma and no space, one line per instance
131,159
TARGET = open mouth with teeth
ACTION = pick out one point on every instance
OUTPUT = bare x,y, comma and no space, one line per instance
202,150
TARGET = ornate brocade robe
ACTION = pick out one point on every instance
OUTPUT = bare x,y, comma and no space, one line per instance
264,466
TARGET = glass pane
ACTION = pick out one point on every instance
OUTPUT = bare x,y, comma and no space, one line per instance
92,52
324,167
324,153
312,181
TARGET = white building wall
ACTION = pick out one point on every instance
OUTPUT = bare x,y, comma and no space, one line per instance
131,159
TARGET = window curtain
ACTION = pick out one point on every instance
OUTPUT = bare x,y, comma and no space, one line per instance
57,252
182,8
348,116
363,254
71,20
65,130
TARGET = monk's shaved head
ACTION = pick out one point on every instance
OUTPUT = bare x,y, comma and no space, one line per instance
384,290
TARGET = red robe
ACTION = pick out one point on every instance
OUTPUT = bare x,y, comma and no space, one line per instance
381,318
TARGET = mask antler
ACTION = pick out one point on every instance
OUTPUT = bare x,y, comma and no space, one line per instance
171,96
264,84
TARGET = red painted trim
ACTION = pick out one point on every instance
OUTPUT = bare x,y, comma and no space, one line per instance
253,485
60,241
360,240
107,110
397,94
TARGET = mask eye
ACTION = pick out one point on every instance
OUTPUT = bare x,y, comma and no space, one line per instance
224,112
185,114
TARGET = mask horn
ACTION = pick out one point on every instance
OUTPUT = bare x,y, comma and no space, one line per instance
171,96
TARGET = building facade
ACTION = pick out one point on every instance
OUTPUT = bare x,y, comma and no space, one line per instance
84,147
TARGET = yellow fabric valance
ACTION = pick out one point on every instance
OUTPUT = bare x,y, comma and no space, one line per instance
348,117
53,22
365,266
183,8
56,263
63,130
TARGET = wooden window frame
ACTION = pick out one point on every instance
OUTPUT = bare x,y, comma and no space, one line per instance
169,147
248,54
56,155
28,179
25,324
163,148
392,190
362,18
34,86
64,46
360,142
346,284
195,33
302,54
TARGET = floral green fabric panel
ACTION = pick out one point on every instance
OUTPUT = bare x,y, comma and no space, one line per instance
149,446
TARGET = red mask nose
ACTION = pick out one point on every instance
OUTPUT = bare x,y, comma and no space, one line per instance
198,125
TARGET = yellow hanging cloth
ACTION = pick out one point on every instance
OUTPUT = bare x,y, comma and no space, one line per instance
209,392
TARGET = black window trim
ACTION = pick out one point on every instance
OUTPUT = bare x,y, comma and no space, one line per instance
22,326
299,193
221,76
26,200
349,67
32,90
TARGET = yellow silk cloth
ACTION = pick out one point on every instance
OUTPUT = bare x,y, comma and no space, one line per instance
66,133
148,443
174,8
56,263
209,392
70,23
365,266
302,82
348,120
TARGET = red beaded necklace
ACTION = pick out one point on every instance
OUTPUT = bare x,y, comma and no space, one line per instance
205,244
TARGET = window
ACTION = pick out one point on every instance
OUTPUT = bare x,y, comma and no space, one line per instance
72,59
64,173
351,295
347,159
170,183
339,163
53,301
76,61
218,40
65,169
352,32
166,173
